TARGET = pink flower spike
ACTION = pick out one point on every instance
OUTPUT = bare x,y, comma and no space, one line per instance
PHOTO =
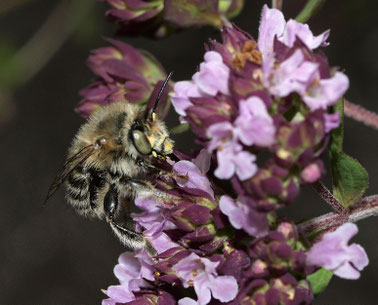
333,253
254,125
213,75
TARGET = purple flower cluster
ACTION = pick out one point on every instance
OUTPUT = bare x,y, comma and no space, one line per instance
270,96
124,74
218,237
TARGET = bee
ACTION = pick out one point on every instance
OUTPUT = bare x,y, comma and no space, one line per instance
109,161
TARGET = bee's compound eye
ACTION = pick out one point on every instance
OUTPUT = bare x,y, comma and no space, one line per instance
141,142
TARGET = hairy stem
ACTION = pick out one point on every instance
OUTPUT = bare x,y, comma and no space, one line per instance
364,208
277,4
310,9
328,197
361,114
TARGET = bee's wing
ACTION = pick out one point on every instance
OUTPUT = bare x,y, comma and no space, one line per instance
70,164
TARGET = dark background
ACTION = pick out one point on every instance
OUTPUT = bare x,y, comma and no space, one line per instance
52,256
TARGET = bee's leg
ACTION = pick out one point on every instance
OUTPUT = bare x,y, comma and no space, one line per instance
159,171
126,203
147,186
130,238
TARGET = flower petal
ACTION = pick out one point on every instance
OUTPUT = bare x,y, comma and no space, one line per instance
272,24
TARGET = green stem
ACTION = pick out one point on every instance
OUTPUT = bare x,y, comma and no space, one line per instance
179,128
310,9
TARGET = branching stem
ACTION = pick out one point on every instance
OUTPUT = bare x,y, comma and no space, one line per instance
361,114
364,208
328,197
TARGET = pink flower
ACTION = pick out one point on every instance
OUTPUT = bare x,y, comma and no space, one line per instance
325,92
182,92
242,216
187,301
213,75
202,161
333,253
195,179
311,173
201,273
230,155
331,121
273,25
293,74
154,222
131,275
208,81
294,30
254,124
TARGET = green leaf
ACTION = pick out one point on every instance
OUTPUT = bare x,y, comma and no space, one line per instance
310,9
350,179
319,280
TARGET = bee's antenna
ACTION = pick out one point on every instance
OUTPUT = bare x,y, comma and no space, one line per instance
160,94
161,91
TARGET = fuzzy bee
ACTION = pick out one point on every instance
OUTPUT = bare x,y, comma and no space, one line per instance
108,162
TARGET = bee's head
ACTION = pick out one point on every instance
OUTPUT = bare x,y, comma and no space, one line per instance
151,137
149,134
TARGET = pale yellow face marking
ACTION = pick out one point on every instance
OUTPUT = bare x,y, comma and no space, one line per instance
168,145
151,139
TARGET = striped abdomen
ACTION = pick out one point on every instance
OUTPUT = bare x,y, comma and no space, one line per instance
84,189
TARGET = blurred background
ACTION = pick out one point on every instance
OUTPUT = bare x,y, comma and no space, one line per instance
53,256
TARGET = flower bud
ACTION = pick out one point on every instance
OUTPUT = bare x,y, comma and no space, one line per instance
124,72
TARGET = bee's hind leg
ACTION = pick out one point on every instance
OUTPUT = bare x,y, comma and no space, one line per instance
132,239
129,238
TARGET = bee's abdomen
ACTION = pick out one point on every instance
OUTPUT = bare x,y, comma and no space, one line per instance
77,189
